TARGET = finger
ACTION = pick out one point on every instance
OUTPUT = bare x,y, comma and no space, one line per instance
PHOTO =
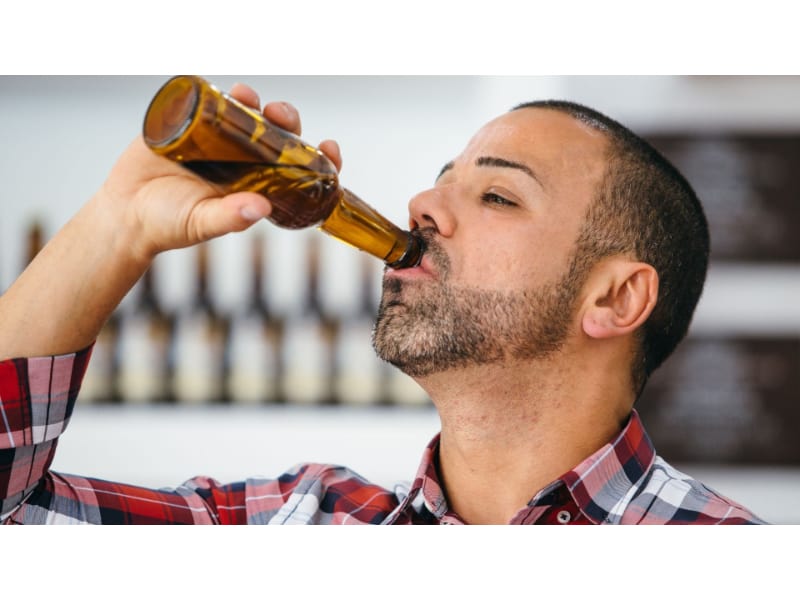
331,149
284,115
246,95
234,212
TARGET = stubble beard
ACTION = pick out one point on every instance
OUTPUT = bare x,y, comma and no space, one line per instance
427,327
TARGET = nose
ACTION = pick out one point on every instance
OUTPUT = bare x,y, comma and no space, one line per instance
432,209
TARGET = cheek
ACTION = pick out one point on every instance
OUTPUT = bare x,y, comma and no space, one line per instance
516,263
501,268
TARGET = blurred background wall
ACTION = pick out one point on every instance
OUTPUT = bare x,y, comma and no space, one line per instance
724,408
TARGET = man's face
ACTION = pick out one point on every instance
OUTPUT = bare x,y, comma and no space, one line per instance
501,224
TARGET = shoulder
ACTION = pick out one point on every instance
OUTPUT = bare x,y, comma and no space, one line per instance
668,496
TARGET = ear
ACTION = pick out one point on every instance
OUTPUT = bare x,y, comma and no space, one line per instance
621,296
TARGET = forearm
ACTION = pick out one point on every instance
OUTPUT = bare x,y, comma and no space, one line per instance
61,301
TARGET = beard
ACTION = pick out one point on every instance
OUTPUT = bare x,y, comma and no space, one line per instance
429,327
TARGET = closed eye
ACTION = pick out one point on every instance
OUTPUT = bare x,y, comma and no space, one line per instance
497,199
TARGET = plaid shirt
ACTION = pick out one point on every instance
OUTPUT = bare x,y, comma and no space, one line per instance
623,482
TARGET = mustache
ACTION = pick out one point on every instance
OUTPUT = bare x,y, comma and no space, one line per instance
433,250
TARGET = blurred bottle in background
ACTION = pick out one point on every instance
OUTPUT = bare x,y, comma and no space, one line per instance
198,346
307,342
99,383
142,351
34,241
253,346
359,372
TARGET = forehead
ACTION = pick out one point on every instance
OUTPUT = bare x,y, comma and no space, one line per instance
554,144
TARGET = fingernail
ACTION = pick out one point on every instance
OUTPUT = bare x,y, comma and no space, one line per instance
287,110
249,213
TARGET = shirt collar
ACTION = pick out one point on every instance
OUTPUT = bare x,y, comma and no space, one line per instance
427,482
603,483
600,485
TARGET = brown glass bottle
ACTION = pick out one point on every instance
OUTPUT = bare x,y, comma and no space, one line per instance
307,360
237,149
145,332
198,344
358,376
252,355
35,241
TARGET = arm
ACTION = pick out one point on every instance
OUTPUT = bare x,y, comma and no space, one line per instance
56,308
146,206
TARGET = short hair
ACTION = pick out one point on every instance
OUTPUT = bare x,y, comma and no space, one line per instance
644,206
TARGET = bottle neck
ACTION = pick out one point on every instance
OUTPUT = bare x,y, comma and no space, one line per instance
313,300
356,223
35,242
202,298
148,300
412,255
257,303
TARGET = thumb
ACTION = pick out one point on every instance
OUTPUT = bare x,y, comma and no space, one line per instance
234,212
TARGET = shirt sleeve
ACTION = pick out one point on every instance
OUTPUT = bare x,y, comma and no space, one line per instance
37,396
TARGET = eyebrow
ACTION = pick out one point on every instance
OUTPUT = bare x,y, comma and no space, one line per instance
494,161
444,170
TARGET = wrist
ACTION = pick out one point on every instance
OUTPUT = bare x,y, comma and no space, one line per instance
116,228
114,209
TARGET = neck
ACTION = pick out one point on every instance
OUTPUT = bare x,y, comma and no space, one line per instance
509,430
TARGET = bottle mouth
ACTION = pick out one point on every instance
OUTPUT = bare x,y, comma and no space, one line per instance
412,255
171,111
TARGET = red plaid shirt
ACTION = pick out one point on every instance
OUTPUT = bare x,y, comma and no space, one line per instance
623,482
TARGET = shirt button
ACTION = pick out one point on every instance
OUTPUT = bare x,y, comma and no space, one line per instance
563,517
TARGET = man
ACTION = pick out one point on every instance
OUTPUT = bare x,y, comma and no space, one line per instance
564,260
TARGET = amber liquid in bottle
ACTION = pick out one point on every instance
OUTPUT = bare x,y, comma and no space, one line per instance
237,149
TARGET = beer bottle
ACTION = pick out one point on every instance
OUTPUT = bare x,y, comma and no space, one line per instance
306,351
199,342
254,340
34,241
235,148
99,382
359,372
143,346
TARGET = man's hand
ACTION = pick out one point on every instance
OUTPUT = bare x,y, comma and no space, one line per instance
160,206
